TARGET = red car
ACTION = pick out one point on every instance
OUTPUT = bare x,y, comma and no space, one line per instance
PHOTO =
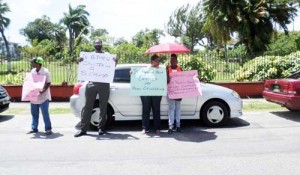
285,92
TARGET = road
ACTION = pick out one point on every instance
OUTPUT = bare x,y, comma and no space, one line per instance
257,143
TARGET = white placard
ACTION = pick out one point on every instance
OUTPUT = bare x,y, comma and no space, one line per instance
96,67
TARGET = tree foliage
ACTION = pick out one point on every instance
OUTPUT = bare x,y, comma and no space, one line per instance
4,23
42,28
98,33
77,22
282,44
147,38
187,22
252,20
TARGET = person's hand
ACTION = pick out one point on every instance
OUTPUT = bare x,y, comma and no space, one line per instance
116,60
42,91
79,60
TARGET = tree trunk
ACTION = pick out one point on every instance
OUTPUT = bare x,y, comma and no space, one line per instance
8,52
71,43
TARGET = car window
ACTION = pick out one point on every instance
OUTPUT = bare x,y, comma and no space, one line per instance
122,76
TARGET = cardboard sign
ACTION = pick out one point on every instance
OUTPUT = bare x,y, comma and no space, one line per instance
33,83
96,67
148,81
184,84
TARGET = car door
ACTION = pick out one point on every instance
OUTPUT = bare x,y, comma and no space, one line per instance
120,98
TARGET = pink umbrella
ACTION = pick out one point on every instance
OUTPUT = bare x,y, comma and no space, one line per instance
168,48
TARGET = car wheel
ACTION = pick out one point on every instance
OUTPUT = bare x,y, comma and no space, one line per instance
94,123
214,114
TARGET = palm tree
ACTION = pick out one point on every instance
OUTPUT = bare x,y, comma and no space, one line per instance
77,22
4,23
252,20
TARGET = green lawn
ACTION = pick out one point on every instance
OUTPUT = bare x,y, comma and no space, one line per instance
262,106
249,106
59,72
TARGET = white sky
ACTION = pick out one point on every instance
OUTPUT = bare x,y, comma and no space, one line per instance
121,18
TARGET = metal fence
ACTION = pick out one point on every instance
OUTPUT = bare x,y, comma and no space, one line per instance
227,68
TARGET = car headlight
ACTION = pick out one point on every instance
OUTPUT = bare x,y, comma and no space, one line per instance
235,94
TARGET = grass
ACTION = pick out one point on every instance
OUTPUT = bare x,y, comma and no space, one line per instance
17,111
262,106
59,72
252,105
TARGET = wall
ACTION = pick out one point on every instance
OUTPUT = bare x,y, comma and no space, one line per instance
63,93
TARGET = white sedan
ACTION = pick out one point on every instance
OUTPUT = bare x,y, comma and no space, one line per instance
216,105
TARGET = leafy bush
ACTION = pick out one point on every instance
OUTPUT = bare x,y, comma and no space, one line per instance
205,72
267,67
13,79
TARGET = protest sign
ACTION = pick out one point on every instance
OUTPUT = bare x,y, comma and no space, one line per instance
33,83
96,67
148,81
184,84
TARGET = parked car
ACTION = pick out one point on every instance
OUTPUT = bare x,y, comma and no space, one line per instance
214,107
285,91
4,99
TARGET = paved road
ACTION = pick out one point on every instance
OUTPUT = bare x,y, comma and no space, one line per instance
265,143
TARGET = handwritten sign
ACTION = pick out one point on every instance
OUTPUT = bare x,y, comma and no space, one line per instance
184,84
148,81
33,83
96,67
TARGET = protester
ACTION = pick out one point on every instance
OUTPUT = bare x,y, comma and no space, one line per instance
43,98
174,104
92,90
151,102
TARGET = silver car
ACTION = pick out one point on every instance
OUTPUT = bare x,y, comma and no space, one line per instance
216,105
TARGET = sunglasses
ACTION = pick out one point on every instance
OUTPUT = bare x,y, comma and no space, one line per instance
156,61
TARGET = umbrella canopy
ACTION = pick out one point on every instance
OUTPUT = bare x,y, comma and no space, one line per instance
168,48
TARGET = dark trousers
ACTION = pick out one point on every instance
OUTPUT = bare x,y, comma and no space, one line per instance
148,103
92,89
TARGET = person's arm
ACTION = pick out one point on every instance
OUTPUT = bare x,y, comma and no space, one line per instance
46,86
79,60
116,60
168,76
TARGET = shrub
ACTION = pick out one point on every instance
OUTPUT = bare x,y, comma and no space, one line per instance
205,72
267,67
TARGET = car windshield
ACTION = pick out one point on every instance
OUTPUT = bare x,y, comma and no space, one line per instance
295,75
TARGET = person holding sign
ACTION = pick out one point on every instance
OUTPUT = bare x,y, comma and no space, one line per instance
93,89
43,98
174,104
151,102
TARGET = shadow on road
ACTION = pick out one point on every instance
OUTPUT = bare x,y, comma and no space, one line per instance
289,115
235,123
4,118
194,130
41,135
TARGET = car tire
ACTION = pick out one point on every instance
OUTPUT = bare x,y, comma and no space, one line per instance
95,117
214,114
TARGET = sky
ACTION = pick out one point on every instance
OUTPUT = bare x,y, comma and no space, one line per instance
121,18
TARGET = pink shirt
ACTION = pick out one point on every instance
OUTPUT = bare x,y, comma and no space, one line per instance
46,95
